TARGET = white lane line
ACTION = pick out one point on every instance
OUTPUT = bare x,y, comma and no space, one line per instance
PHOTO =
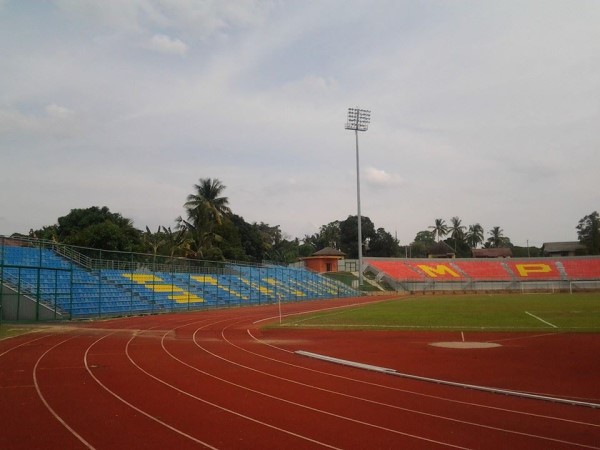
540,319
47,405
304,406
132,406
22,344
215,377
419,394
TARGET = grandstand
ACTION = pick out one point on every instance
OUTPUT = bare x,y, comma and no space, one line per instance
46,281
523,274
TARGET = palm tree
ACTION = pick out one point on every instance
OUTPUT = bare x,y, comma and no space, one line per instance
457,231
496,238
474,235
440,229
208,195
153,240
174,240
205,210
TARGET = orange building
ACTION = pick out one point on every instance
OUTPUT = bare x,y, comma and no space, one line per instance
325,260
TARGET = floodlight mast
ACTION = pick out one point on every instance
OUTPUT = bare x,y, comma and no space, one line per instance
358,120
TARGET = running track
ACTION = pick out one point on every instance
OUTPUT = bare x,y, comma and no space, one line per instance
216,379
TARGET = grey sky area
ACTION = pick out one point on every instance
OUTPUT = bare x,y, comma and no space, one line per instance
485,110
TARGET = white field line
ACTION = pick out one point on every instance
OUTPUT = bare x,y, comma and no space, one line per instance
540,319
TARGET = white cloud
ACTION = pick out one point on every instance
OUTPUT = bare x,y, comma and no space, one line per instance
164,44
381,178
58,112
490,112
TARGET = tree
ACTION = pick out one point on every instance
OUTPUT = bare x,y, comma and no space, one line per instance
205,210
440,229
329,235
349,234
423,240
474,235
588,231
383,244
174,241
208,195
457,231
153,241
497,239
97,228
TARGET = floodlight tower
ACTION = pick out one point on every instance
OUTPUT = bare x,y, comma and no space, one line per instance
358,120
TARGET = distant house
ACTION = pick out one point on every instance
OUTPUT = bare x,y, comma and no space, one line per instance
325,260
440,250
571,248
500,252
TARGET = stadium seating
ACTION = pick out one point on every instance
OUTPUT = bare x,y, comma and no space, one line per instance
582,269
80,292
517,269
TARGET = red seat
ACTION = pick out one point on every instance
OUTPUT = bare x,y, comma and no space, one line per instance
582,269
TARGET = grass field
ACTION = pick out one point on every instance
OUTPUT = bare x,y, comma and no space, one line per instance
498,312
11,329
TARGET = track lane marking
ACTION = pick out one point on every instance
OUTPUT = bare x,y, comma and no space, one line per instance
150,416
310,408
213,376
47,405
406,391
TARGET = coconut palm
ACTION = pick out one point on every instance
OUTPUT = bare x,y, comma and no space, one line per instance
206,208
457,231
496,238
440,229
474,235
207,195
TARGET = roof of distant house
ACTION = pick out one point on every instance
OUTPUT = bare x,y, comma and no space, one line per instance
571,246
499,252
329,251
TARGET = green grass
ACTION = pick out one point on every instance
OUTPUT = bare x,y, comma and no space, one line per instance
500,312
9,330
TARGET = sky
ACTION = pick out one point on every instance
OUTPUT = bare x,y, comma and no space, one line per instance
481,109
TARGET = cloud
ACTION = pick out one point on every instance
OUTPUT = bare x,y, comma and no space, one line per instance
58,112
381,178
164,44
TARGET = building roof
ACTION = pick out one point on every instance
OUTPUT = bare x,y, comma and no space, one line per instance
554,247
500,252
329,251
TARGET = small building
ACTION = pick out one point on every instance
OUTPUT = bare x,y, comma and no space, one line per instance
440,250
325,260
571,248
499,252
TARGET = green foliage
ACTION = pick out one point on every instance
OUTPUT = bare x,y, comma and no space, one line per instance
383,244
439,229
588,231
497,238
349,234
94,227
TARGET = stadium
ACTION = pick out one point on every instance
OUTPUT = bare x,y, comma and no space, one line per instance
132,350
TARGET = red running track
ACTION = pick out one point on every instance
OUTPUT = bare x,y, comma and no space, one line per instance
216,379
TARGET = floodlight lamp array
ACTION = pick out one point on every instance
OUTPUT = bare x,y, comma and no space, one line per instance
358,119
